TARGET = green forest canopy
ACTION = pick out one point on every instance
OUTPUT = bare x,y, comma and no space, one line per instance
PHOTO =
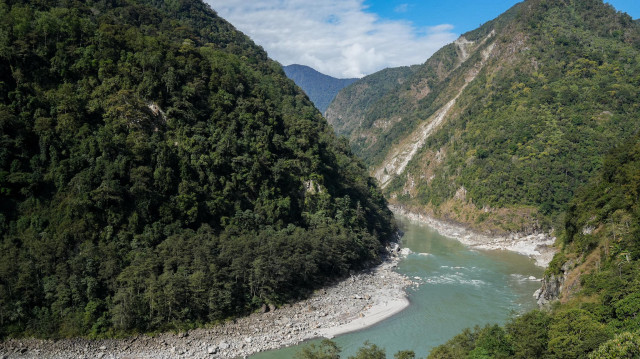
601,236
557,90
601,318
157,169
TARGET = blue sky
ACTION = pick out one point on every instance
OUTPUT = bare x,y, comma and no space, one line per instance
631,7
464,15
353,38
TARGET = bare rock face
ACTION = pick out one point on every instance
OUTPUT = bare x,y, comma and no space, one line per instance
553,285
550,290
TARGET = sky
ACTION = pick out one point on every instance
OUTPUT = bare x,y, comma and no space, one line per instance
354,38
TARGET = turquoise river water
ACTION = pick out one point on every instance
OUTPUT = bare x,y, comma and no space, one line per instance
461,288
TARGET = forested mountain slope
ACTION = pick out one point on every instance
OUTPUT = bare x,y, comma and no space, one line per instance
498,129
157,169
597,277
346,112
320,88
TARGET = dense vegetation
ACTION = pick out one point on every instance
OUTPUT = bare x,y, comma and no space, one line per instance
345,113
157,169
599,313
320,88
328,349
556,91
530,135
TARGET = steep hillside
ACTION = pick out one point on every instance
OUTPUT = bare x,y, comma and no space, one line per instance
158,170
347,112
596,276
320,88
498,129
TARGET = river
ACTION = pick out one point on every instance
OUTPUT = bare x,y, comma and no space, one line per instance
460,288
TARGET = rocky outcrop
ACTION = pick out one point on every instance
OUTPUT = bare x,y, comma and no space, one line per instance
553,285
550,290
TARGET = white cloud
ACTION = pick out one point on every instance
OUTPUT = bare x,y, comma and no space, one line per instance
335,37
438,29
402,8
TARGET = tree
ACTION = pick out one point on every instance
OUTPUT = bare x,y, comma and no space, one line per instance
623,346
574,333
492,342
327,349
457,347
530,333
369,351
405,354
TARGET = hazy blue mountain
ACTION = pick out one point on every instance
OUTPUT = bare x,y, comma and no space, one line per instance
320,88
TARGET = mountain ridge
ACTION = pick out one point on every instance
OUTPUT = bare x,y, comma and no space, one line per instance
519,93
320,88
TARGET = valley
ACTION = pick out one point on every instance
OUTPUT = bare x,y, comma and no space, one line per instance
498,129
320,88
458,287
169,190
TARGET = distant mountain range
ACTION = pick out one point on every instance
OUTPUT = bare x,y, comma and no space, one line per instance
320,88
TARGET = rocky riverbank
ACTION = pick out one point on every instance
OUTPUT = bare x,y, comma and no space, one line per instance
538,246
351,304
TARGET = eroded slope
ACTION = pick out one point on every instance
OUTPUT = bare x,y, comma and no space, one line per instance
498,129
